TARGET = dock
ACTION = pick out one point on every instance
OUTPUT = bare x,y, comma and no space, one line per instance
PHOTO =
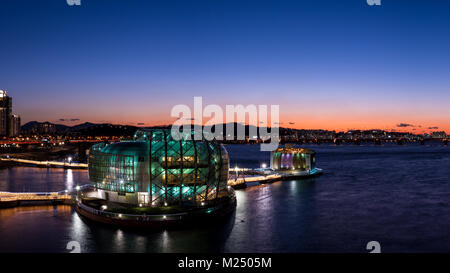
240,182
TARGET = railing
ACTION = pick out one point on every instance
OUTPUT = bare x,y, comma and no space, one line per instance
135,217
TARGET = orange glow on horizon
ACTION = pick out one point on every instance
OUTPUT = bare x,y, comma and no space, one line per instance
331,125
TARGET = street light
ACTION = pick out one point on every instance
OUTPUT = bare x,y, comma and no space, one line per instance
263,165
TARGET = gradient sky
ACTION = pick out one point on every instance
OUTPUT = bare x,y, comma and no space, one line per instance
329,64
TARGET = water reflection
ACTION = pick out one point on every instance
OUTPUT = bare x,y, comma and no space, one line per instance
79,232
204,237
118,241
29,179
69,179
165,241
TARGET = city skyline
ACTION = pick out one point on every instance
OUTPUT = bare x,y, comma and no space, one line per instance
326,65
401,127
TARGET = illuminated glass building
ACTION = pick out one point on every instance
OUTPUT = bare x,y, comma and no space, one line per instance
293,159
155,170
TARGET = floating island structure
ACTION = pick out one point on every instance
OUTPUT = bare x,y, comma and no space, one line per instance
154,180
293,162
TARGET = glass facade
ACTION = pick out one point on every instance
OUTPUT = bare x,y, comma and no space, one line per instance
293,159
161,170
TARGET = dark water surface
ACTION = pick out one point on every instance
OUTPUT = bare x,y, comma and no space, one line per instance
396,195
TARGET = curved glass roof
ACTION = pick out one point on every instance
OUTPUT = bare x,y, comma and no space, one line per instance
135,148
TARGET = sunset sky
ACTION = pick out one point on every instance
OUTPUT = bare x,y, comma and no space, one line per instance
329,64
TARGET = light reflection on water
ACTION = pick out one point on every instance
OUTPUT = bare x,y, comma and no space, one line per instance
394,195
69,179
28,179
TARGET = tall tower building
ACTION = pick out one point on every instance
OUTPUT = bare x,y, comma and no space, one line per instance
5,113
14,125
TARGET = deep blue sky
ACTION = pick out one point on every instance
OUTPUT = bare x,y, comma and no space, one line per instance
328,64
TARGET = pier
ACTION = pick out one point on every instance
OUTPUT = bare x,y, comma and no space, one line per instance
261,179
241,181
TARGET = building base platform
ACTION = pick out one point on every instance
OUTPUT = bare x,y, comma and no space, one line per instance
190,217
301,174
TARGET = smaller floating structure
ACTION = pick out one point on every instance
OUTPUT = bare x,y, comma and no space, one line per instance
285,163
292,162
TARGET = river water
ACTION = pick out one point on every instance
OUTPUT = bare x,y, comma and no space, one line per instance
396,195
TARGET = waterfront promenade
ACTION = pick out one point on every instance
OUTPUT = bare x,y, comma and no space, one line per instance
37,163
13,199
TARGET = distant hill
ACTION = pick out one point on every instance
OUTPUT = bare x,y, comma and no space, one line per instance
29,126
87,128
83,126
97,129
107,129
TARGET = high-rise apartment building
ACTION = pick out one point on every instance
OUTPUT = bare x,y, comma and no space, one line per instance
9,123
5,113
14,125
